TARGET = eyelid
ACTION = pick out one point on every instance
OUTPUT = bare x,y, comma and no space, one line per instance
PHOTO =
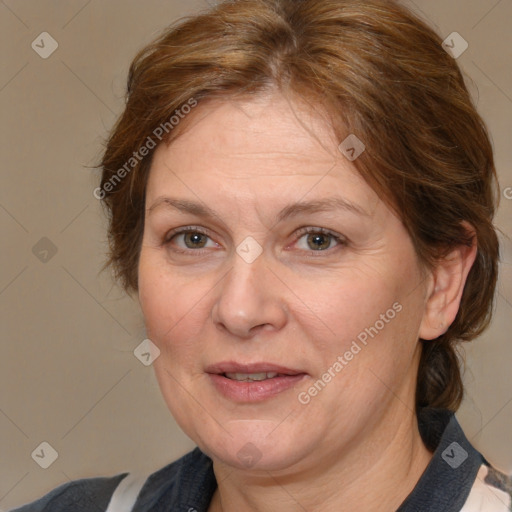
311,229
340,239
184,229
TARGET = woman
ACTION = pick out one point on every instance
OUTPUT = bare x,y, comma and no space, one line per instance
301,193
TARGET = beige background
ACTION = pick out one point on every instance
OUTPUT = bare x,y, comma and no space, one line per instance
67,371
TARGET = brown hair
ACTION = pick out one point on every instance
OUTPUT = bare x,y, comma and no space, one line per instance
383,75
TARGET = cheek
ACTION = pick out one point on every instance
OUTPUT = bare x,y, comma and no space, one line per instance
171,305
346,303
376,306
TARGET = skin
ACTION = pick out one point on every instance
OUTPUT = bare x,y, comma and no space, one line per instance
295,305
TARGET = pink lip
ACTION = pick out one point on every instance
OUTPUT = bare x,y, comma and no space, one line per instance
250,392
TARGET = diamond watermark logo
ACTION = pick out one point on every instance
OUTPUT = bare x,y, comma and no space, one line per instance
249,249
455,45
44,45
454,455
352,147
249,455
45,455
146,352
44,250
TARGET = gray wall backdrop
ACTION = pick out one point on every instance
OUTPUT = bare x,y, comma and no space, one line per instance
68,375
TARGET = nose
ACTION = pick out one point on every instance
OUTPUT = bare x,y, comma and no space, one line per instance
250,299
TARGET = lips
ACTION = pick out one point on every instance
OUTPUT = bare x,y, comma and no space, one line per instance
254,382
263,367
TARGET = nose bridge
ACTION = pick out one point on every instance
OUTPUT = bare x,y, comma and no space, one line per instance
249,294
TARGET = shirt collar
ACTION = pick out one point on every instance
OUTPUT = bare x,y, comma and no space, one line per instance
447,480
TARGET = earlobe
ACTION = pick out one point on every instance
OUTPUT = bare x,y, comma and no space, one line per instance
445,293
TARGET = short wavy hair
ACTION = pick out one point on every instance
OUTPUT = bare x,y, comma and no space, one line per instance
382,74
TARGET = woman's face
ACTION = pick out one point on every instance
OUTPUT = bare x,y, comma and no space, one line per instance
265,251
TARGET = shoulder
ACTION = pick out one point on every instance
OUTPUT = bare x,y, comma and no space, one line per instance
186,480
187,483
491,491
79,495
458,477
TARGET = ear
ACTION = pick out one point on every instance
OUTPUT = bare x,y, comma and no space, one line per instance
446,286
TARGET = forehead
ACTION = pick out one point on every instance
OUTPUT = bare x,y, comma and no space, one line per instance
265,141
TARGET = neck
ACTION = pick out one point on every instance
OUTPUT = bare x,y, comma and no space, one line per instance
376,474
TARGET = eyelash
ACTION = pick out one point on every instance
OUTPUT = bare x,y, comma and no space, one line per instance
340,240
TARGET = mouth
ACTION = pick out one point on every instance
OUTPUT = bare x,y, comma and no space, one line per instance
253,377
246,383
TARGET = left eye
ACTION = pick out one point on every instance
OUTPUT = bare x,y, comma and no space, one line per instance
318,240
190,239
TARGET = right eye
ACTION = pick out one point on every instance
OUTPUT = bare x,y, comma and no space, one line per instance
189,239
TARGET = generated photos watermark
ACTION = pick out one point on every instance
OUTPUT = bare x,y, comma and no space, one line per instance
342,361
158,133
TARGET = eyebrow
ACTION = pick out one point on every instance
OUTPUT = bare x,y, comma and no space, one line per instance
183,205
321,205
301,207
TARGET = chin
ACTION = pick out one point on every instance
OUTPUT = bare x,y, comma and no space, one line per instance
250,445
